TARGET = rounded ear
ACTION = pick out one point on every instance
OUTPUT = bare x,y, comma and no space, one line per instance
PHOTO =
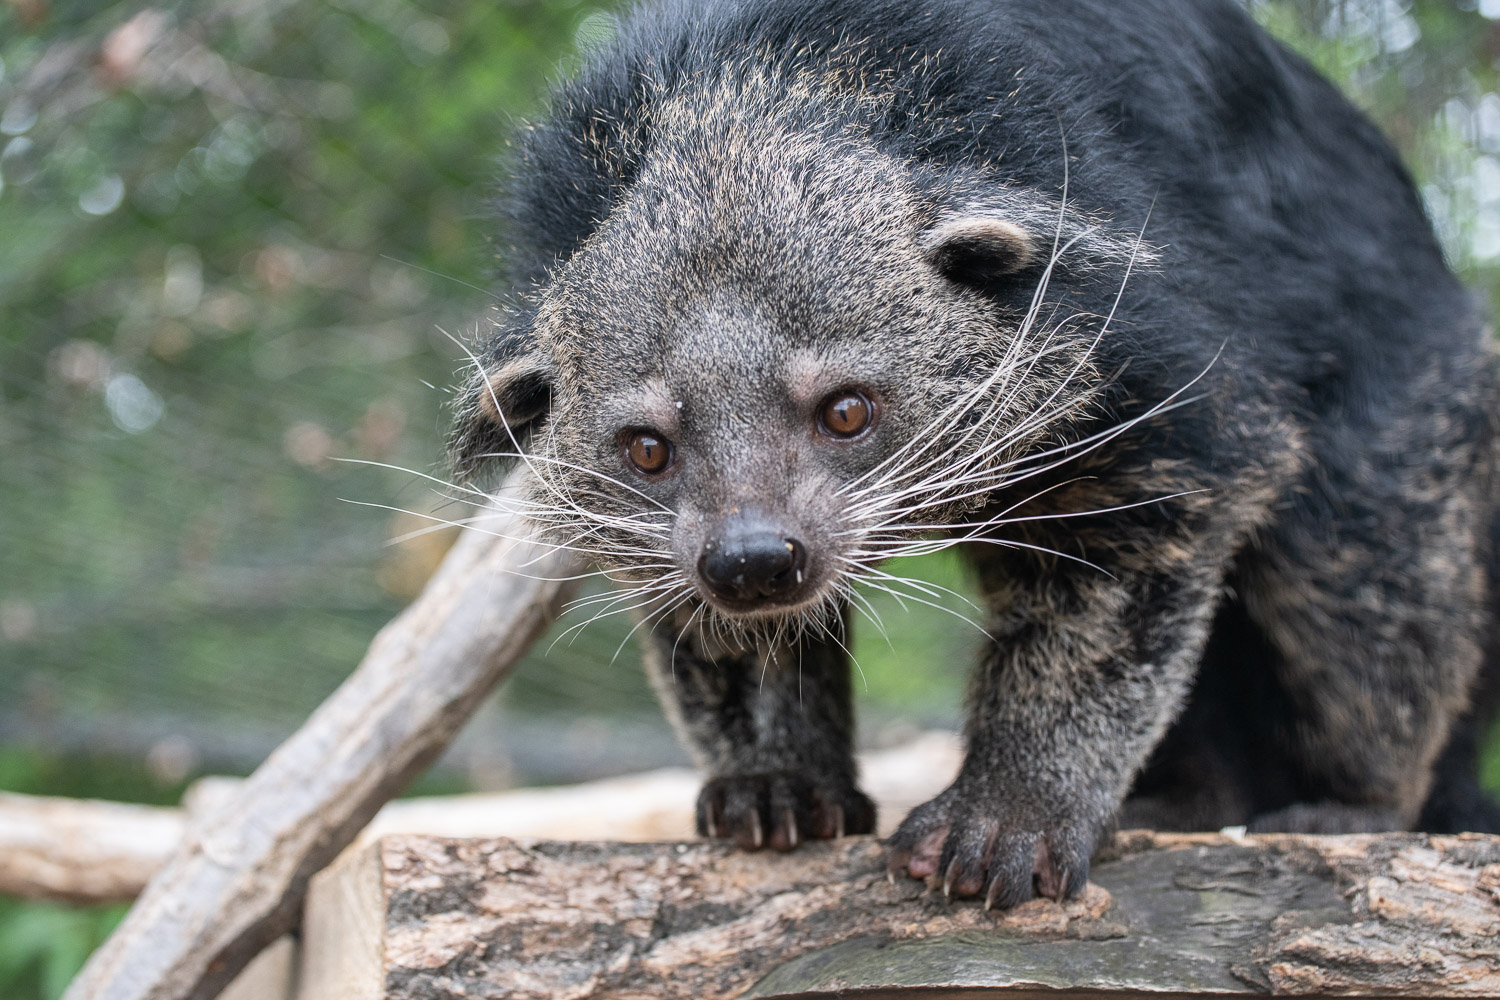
501,408
516,394
978,249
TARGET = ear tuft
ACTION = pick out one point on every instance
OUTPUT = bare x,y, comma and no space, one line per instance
979,249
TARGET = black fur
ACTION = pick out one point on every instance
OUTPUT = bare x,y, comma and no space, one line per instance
730,189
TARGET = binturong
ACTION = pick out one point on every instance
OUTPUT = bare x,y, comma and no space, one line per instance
1116,297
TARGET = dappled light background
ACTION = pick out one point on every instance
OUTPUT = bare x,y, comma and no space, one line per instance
237,239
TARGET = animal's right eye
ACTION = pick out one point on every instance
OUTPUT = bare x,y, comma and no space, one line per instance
846,414
650,453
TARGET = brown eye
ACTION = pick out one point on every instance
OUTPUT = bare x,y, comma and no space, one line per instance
846,414
647,452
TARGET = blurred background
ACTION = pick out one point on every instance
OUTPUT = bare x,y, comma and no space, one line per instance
235,236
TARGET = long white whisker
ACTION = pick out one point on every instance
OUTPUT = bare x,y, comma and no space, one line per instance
574,467
562,497
525,539
890,589
1001,522
863,605
609,610
1009,473
657,615
942,482
1058,249
665,581
933,590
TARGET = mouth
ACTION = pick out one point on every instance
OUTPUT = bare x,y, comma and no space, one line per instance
764,609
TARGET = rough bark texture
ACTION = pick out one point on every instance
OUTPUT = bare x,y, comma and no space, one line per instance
236,881
414,918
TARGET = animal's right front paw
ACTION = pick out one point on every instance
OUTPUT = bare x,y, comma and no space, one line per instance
974,844
781,809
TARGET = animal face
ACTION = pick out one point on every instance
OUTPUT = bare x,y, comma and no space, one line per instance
777,362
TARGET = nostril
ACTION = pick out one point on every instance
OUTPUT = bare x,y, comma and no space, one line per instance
751,566
794,565
713,568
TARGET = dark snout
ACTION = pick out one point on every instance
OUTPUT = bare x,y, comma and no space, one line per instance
750,560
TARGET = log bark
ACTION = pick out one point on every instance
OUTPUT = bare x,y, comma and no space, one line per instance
236,881
415,918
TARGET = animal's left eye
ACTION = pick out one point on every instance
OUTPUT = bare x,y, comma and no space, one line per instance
846,414
648,452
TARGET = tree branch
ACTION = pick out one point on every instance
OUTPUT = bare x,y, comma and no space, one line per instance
237,880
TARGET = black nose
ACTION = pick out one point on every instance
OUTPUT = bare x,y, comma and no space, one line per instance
752,564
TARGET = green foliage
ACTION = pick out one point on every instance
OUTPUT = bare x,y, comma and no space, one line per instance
914,653
230,234
1426,71
43,945
33,771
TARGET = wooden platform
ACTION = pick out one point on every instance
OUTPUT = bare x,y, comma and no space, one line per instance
422,918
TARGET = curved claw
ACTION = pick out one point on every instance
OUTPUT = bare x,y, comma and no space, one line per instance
996,884
779,810
976,852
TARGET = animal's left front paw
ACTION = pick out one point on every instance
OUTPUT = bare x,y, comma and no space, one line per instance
781,809
975,848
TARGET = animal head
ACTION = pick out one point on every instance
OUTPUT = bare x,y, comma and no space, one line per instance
786,353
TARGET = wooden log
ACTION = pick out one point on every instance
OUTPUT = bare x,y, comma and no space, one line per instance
237,880
417,918
88,851
80,850
270,976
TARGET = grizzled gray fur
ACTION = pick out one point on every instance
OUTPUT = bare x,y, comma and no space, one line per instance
1115,296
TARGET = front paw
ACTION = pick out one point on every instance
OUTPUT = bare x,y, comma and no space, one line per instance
978,848
781,809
